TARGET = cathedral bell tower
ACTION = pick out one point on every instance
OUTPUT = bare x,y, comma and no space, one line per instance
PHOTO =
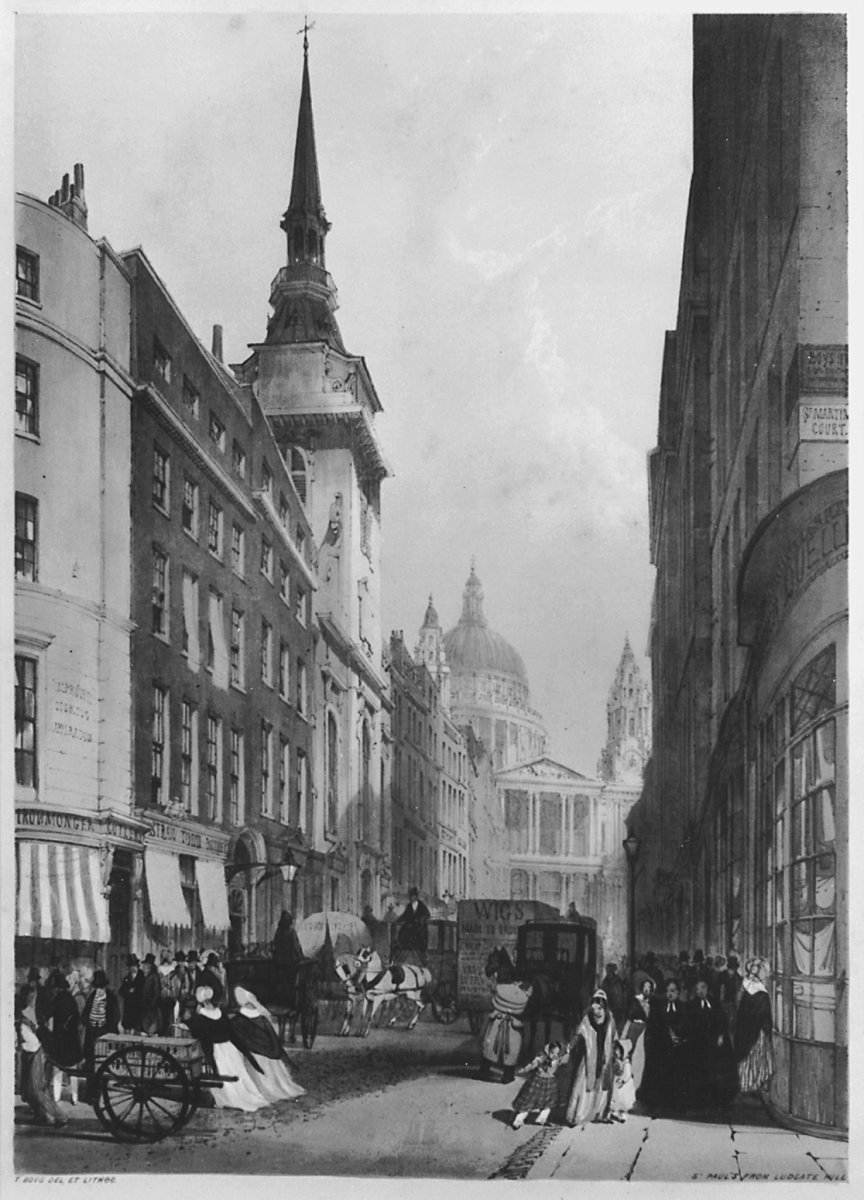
430,652
321,404
628,716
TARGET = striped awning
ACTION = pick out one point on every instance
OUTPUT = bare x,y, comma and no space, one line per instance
60,893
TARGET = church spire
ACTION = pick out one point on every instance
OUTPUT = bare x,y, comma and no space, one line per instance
304,221
303,295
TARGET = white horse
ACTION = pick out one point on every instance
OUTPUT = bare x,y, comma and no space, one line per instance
372,984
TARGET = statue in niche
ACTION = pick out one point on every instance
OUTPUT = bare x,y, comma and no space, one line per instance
330,551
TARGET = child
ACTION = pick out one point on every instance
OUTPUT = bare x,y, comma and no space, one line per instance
623,1087
539,1092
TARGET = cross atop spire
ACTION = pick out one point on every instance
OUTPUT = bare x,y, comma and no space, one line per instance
305,32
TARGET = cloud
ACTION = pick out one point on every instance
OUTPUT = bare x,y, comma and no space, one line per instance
494,263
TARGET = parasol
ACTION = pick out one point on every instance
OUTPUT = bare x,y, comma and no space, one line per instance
347,933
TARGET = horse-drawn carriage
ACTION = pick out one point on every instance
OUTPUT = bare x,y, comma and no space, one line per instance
441,959
289,993
486,942
559,959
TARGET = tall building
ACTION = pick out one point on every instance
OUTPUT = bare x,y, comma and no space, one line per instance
221,650
321,404
628,723
489,686
74,818
414,787
743,819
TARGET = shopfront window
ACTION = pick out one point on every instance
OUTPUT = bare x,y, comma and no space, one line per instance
797,744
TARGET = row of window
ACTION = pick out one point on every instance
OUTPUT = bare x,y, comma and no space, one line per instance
225,659
190,514
413,862
207,783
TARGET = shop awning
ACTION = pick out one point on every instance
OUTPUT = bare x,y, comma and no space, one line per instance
212,893
60,893
167,903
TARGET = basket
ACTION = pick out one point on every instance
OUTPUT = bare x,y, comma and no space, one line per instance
184,1050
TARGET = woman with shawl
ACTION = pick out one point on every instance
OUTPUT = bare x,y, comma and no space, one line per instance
253,1033
754,1051
636,1026
592,1052
213,1030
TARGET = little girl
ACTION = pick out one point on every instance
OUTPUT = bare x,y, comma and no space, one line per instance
623,1085
539,1092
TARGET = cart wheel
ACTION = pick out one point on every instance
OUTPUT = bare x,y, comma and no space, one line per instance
475,1022
143,1094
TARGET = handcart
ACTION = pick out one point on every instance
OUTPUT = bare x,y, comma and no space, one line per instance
145,1088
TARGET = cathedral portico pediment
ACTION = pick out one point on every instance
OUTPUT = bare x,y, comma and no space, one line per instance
542,768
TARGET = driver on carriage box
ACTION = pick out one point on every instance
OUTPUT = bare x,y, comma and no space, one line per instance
413,923
287,951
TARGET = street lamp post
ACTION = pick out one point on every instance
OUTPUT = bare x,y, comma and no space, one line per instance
632,845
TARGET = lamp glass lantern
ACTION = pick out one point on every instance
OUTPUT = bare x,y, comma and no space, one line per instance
632,845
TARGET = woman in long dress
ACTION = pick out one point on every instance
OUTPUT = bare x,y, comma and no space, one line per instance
754,1050
213,1030
253,1032
592,1051
635,1027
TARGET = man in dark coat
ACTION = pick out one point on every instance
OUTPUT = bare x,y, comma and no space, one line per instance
34,995
287,951
711,1070
413,924
664,1082
130,993
151,994
613,986
653,969
727,991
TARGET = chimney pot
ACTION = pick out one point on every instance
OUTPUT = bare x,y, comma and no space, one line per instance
217,342
79,178
65,188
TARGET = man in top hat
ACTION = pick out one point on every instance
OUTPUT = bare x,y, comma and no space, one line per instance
413,924
655,971
727,987
151,994
130,992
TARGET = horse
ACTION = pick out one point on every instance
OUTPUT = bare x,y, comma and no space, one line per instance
374,985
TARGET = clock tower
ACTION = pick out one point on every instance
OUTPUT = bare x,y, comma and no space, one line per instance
628,714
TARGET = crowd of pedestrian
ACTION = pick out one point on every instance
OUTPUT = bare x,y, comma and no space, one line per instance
677,1036
59,1021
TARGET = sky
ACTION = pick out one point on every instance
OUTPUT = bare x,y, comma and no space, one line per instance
508,198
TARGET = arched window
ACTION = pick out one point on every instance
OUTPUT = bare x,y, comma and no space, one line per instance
331,757
366,889
297,244
312,246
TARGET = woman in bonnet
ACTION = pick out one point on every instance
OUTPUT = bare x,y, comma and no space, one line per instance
754,1050
592,1052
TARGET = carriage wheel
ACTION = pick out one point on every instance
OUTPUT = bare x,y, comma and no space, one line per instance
143,1094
